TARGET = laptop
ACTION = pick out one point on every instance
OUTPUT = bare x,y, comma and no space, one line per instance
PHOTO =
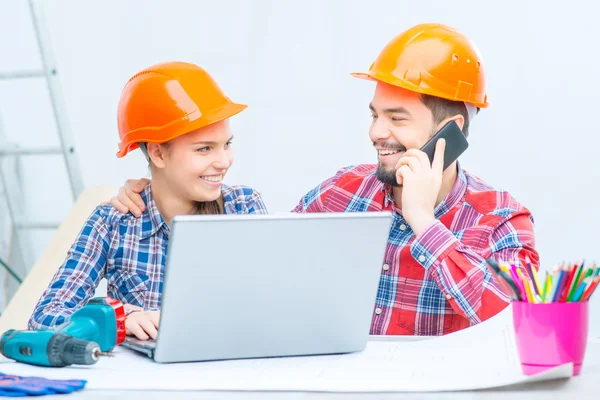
254,286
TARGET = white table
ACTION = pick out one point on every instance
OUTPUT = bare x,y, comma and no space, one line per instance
585,386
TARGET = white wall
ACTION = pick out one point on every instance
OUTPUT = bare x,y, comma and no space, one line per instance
290,61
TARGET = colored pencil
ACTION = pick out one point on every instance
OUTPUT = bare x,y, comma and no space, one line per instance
504,279
575,282
580,290
559,284
571,277
588,292
567,282
547,288
526,285
585,277
518,282
553,282
538,285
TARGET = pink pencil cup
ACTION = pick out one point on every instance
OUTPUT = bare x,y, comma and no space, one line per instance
550,334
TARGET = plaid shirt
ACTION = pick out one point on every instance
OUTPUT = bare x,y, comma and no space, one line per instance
436,283
129,252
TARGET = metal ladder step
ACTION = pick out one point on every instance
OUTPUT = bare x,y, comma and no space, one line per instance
34,73
36,225
18,151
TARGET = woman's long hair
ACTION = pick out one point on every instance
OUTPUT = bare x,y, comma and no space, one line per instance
211,207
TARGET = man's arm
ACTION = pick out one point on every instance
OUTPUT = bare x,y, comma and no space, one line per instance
129,199
76,280
463,275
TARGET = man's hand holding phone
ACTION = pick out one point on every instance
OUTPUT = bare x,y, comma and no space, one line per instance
421,181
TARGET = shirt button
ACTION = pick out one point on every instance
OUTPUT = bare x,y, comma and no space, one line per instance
422,258
378,311
449,297
386,267
402,227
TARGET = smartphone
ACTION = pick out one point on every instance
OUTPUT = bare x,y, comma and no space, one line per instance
456,143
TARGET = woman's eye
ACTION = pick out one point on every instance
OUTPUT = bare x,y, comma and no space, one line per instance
203,149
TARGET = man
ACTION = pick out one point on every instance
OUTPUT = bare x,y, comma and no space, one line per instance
434,279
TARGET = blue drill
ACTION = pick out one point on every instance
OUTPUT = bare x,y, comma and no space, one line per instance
91,332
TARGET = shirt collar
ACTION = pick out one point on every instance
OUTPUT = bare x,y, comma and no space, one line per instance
151,219
456,194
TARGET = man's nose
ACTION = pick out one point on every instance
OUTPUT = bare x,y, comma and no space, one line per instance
378,132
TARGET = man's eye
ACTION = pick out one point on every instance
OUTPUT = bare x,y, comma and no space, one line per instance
228,143
203,149
373,116
398,119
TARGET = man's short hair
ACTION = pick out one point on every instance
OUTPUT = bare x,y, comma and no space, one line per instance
443,108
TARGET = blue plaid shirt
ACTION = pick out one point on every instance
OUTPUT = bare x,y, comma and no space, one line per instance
129,252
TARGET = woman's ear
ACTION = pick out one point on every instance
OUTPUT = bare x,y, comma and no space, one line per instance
156,153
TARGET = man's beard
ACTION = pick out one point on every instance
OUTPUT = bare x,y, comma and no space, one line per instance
387,176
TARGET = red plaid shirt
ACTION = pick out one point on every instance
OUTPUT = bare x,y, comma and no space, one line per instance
436,283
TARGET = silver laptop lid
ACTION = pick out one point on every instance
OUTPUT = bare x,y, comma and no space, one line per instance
243,286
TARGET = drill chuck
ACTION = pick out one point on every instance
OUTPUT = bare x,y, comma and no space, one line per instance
64,350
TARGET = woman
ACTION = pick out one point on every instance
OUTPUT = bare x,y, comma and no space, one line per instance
178,116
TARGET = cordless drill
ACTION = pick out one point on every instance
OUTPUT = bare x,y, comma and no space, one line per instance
92,331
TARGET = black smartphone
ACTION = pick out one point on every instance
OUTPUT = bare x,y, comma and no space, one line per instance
456,143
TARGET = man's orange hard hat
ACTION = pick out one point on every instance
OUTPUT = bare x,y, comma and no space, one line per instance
432,59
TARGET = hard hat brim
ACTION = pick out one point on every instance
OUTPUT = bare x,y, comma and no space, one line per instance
229,110
407,85
363,75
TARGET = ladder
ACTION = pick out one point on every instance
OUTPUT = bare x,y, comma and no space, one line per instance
11,154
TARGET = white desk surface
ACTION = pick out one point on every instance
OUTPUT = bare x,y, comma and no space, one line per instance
585,386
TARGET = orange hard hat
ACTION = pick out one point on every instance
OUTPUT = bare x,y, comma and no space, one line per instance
168,100
432,59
